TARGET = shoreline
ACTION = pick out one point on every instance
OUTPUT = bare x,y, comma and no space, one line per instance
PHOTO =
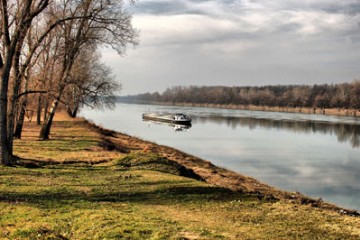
88,182
302,110
206,171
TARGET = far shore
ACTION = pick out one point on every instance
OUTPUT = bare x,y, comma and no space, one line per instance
305,110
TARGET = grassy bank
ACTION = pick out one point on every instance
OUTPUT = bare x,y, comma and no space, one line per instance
90,183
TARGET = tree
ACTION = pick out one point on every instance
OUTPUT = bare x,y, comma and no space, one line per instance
27,82
92,22
87,22
16,18
92,84
355,94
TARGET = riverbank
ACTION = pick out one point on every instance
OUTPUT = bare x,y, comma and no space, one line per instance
305,110
88,182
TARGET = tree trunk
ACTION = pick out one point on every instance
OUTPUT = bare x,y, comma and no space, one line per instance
5,153
45,129
13,109
38,115
46,109
20,121
72,112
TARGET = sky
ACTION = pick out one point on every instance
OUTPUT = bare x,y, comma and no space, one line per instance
239,43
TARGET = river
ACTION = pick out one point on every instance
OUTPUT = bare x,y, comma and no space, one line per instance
316,155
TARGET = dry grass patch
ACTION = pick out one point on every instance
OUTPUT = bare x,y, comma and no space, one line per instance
71,141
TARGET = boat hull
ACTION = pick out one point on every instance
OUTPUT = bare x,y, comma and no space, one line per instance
166,118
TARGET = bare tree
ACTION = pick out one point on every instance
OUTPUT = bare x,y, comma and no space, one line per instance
86,22
92,22
16,18
92,84
26,83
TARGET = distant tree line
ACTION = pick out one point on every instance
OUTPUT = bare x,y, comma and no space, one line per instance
344,95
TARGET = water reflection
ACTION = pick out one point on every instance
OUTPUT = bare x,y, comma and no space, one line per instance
344,132
176,127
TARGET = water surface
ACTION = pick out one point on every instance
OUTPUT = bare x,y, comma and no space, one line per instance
316,155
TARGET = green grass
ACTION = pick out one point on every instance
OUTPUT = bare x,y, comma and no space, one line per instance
76,202
139,196
89,203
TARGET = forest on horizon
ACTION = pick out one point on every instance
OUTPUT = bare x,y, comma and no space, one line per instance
342,95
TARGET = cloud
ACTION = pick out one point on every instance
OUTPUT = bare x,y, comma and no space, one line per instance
242,42
159,7
314,22
189,22
184,29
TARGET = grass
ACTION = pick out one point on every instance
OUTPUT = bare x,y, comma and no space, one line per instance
70,141
139,195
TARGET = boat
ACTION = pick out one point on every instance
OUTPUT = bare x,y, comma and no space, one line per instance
177,118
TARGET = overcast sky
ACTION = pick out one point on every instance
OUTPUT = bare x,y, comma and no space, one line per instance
240,42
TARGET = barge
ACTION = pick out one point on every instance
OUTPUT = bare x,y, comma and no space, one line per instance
177,118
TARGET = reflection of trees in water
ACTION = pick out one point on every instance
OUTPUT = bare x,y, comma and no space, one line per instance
344,132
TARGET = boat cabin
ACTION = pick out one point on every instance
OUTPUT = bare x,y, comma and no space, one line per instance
180,117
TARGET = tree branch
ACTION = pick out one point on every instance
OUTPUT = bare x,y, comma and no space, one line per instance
30,92
5,22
